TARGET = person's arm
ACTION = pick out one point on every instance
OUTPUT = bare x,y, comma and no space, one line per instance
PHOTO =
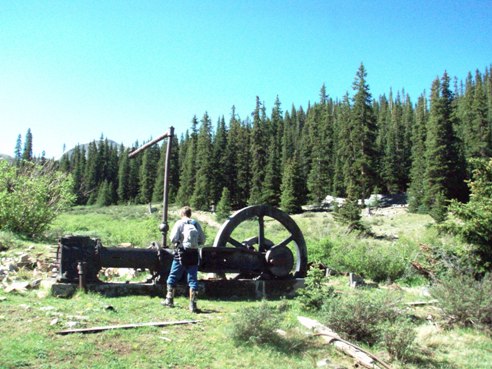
176,233
201,234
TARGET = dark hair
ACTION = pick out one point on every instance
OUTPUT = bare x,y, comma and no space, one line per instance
185,211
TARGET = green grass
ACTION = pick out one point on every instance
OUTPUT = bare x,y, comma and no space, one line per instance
28,340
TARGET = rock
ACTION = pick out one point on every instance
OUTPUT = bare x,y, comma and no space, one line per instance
3,298
323,363
54,321
35,283
72,324
19,287
47,308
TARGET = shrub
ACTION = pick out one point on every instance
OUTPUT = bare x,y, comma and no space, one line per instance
464,300
399,340
316,291
360,315
374,260
473,221
256,325
31,196
224,206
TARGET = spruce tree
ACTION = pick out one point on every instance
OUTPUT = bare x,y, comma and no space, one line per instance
362,172
17,151
78,169
202,197
188,168
273,172
148,171
124,177
27,152
445,170
289,200
259,156
224,206
418,168
219,165
90,182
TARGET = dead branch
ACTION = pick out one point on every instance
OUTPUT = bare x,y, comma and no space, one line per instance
363,357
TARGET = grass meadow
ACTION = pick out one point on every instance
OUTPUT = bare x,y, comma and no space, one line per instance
29,320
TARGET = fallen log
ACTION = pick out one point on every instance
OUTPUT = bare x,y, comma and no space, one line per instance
421,303
126,326
363,357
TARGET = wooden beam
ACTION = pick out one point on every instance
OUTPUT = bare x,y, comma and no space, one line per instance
126,326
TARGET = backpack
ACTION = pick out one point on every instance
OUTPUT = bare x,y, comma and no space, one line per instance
190,235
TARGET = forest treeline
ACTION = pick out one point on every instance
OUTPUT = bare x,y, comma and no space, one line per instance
349,147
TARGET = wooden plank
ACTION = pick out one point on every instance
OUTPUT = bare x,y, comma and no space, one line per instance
126,326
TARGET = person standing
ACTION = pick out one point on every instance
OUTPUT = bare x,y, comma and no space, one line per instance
186,236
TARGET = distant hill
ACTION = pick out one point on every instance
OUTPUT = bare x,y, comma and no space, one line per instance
6,157
86,147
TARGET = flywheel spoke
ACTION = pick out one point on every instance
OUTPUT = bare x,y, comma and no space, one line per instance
234,242
285,242
261,233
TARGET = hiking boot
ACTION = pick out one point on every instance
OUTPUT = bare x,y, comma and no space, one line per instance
193,307
169,301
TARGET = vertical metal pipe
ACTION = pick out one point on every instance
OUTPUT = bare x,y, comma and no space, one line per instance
81,268
165,196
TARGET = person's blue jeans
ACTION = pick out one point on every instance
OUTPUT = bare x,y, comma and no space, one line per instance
177,271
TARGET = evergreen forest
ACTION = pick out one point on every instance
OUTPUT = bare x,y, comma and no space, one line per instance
349,147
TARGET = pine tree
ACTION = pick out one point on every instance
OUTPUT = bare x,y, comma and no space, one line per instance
445,170
78,169
224,206
238,162
273,172
480,123
342,148
220,165
148,171
124,176
18,152
27,153
417,171
320,122
90,182
259,156
362,172
188,168
105,194
289,200
202,197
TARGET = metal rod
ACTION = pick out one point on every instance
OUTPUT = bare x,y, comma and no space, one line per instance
143,147
81,268
164,227
165,196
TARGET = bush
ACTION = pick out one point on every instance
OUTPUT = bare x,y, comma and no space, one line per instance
399,340
361,315
224,206
473,221
256,325
372,259
464,300
316,291
31,196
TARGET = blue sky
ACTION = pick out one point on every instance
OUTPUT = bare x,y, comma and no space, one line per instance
73,70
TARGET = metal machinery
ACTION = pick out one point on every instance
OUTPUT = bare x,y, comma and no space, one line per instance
81,258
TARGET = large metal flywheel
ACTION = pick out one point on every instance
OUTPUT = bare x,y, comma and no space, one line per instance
283,257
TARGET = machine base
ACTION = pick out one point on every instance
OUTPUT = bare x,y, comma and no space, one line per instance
227,289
